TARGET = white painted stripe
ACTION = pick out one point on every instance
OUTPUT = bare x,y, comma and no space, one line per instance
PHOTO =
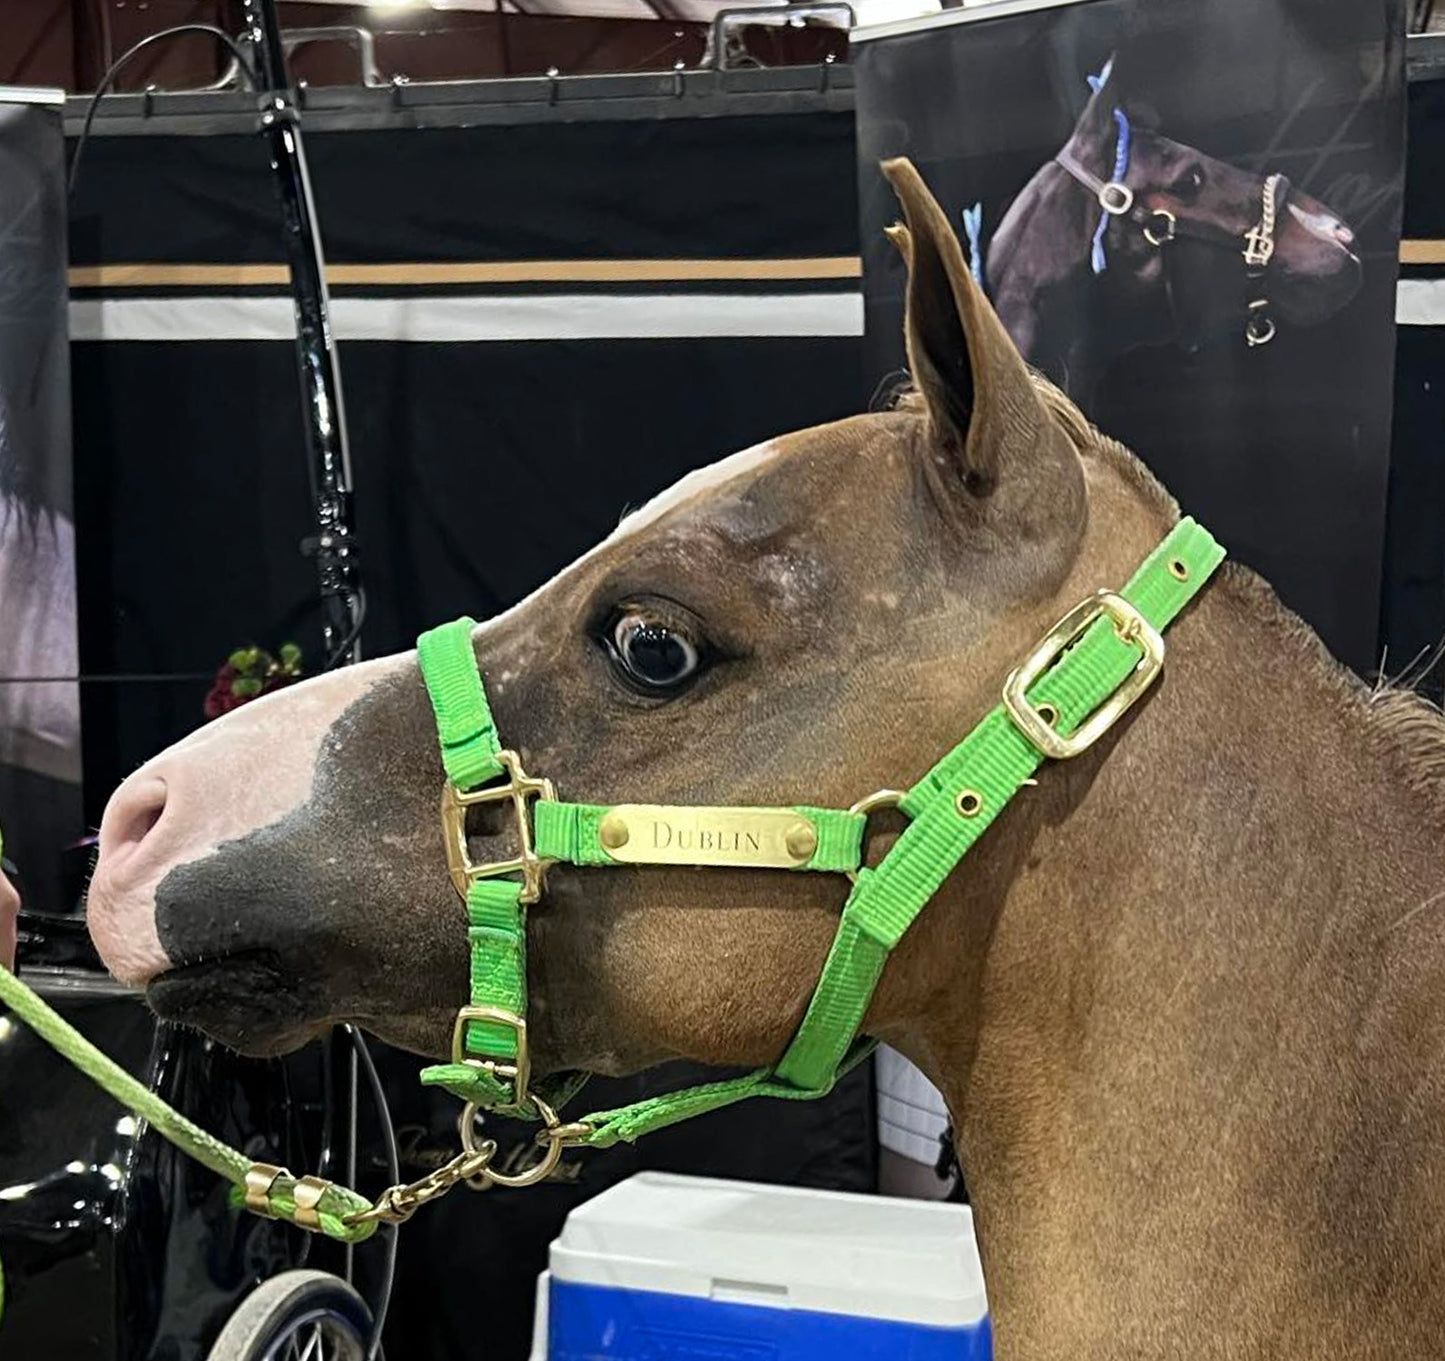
587,316
973,11
1420,302
31,94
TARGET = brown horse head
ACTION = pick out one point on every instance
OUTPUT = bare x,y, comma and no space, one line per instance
1183,998
1152,291
803,622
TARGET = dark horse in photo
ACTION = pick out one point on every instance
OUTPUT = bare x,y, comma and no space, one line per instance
1156,243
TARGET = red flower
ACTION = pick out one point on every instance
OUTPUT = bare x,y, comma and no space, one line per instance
249,673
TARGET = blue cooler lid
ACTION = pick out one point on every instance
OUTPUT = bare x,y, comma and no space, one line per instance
907,1261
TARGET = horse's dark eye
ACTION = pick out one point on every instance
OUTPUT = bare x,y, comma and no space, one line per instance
1188,185
653,655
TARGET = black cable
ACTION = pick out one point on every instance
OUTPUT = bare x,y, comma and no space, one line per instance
393,1170
119,678
352,634
114,69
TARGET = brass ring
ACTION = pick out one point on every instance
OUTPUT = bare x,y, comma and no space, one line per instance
1169,230
1259,329
882,798
529,1176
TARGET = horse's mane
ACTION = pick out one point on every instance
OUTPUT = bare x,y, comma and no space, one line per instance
1410,726
1082,434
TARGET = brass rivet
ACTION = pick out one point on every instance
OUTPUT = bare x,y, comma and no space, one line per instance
306,1195
612,832
969,803
1179,569
1048,713
260,1178
801,840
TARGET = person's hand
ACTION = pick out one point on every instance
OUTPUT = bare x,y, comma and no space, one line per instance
9,915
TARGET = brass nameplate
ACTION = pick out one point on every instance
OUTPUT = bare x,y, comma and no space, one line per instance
752,838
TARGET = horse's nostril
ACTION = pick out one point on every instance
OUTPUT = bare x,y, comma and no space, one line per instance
1344,235
131,817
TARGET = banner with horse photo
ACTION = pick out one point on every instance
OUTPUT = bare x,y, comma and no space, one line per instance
1187,214
40,808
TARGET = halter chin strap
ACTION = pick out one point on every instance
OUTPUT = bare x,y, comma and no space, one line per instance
1075,685
1160,226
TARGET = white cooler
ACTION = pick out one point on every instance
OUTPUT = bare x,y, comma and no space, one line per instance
664,1267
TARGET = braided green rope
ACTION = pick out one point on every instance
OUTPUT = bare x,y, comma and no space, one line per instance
336,1204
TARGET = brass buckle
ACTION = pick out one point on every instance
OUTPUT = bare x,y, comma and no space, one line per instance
1116,198
519,1074
1132,627
519,788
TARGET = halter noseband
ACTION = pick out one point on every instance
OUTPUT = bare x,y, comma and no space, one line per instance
1160,227
1072,688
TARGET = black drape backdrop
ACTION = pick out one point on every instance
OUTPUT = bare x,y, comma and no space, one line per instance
480,469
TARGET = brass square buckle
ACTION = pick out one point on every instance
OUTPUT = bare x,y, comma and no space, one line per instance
518,788
519,1074
1132,627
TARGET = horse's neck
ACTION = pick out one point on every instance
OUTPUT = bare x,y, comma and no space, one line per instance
1035,270
1196,1061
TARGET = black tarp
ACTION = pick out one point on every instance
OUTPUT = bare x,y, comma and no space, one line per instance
480,468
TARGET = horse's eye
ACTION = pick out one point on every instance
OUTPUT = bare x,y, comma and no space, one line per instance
1188,185
653,655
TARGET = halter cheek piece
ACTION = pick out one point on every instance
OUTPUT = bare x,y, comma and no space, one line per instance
1071,689
1161,226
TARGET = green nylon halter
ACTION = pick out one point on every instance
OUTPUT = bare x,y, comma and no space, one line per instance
1075,685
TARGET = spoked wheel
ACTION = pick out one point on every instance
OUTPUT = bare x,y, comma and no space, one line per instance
297,1316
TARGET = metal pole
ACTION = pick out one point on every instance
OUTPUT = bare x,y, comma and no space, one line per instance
328,458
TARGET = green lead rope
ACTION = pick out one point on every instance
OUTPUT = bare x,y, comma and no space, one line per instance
337,1203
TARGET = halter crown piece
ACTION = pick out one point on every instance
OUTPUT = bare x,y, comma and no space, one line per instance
1076,684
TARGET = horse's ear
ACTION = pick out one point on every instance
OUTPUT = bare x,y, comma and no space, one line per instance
1096,124
981,400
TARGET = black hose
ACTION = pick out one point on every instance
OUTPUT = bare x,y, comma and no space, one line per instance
393,1170
114,69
